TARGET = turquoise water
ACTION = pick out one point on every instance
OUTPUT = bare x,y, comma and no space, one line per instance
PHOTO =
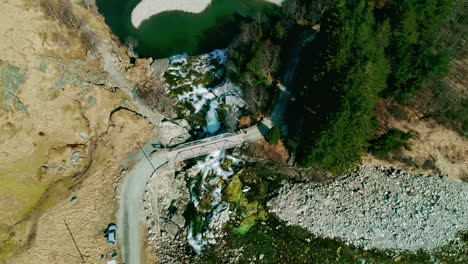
176,32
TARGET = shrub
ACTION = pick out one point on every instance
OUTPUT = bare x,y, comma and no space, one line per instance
392,140
273,136
63,12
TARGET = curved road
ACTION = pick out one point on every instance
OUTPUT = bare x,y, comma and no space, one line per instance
130,217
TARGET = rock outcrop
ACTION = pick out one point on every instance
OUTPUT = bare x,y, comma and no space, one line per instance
173,132
166,201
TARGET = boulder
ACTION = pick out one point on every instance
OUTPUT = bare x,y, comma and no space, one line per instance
160,66
235,100
220,216
170,229
172,133
168,197
183,123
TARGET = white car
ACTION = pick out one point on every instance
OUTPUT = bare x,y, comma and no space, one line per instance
111,234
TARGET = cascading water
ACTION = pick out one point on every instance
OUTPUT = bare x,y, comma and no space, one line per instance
191,78
199,82
212,122
214,173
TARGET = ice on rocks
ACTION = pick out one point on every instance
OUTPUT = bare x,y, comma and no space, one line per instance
188,71
213,179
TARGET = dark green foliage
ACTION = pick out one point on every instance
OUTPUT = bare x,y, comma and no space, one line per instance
194,119
254,59
443,101
279,243
392,140
273,136
363,50
346,83
415,27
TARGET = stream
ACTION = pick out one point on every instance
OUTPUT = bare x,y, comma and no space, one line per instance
199,84
215,171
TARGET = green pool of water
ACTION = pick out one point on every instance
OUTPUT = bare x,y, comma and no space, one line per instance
176,32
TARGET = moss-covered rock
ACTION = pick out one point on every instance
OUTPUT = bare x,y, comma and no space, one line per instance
250,212
12,77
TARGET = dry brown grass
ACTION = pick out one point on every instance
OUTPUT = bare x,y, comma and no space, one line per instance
434,150
37,177
262,150
63,11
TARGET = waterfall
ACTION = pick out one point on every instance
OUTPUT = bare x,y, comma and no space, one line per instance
212,122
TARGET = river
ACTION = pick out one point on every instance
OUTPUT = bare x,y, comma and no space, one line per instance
176,32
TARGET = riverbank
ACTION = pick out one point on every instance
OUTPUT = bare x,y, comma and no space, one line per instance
147,8
378,208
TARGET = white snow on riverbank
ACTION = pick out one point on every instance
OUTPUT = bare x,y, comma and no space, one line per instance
206,194
189,73
192,79
147,8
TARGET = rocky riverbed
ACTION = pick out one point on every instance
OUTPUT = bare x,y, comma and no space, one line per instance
175,191
378,208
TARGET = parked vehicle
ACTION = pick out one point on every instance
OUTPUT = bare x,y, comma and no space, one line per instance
111,234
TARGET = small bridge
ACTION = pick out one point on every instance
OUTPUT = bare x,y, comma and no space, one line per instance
224,141
205,146
201,150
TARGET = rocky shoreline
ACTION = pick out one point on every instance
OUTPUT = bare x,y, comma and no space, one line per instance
378,208
373,208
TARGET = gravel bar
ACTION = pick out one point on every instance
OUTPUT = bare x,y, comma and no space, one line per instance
378,208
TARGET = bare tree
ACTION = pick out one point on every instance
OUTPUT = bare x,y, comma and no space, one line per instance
249,32
306,10
90,4
269,57
90,39
154,95
256,96
62,12
131,43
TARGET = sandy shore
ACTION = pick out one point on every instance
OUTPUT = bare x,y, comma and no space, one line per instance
147,8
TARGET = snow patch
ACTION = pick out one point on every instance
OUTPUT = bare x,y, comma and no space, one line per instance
214,178
190,78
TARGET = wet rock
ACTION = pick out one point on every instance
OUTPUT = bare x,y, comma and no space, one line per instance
220,216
